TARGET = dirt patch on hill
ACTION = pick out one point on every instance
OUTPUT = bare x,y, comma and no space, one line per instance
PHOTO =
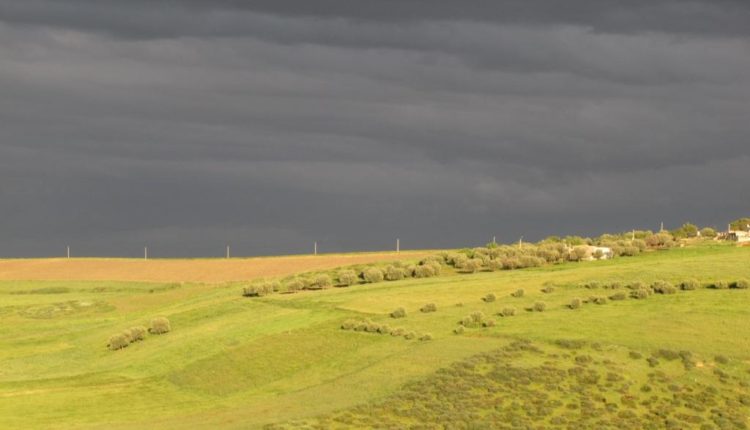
185,270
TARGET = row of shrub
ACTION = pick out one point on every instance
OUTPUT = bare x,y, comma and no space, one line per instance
121,340
368,326
664,287
426,268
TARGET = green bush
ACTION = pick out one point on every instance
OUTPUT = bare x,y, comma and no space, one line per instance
429,307
640,294
721,359
475,319
160,325
575,304
663,287
294,285
426,336
393,273
708,232
349,324
539,307
510,263
598,300
118,341
372,275
347,278
690,284
424,271
508,312
459,330
489,298
398,331
399,313
410,335
137,333
322,281
473,265
259,288
718,285
618,296
488,323
548,289
635,355
384,329
518,293
637,286
742,284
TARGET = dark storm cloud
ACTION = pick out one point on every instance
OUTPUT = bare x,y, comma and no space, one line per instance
187,125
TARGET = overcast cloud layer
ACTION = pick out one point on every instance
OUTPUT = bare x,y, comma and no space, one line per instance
267,125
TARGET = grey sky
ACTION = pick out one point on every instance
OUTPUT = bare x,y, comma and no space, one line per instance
187,125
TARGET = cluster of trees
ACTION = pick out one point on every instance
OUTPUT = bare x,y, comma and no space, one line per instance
368,326
121,340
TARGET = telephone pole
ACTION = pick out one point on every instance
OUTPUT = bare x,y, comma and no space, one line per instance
227,251
398,245
67,249
145,252
315,248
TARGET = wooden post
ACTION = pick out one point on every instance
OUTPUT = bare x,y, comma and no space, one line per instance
227,251
398,245
315,248
145,252
67,248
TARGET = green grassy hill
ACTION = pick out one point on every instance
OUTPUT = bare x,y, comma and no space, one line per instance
239,362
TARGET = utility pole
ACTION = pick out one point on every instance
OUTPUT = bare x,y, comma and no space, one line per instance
398,245
520,243
494,240
67,248
662,227
315,248
227,251
145,252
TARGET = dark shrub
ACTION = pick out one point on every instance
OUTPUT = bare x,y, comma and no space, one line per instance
663,287
488,323
426,336
574,304
667,354
429,307
398,313
718,285
459,330
639,294
618,296
652,361
372,275
118,341
160,325
742,284
397,331
410,335
690,284
518,293
349,324
508,312
384,329
539,307
635,355
548,289
721,359
598,300
347,278
489,298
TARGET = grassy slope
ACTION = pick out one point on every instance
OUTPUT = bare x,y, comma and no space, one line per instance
242,362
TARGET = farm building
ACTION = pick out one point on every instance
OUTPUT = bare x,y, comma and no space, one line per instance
739,236
598,253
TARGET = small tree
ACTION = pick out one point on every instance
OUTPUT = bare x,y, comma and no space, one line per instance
508,312
489,298
160,325
690,284
322,281
399,313
294,285
347,278
708,232
393,273
575,304
118,341
473,265
372,275
429,307
424,271
137,333
518,293
539,307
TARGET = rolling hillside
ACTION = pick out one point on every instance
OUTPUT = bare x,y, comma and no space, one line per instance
283,359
